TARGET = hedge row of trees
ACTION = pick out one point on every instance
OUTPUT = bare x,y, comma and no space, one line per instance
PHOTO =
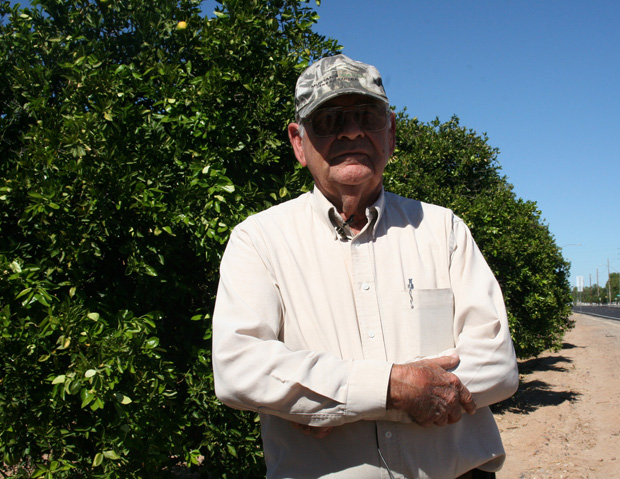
595,293
130,145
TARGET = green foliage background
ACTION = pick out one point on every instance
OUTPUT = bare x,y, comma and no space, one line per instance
129,148
599,294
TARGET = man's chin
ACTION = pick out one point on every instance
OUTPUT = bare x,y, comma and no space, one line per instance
355,175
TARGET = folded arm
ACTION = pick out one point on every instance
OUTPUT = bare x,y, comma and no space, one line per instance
255,370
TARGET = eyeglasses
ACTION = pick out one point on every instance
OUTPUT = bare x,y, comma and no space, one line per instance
329,121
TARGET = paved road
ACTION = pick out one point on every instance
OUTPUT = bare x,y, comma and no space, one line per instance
609,312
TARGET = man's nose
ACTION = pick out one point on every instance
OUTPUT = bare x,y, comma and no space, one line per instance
350,128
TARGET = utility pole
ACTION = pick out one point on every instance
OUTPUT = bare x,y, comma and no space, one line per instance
608,284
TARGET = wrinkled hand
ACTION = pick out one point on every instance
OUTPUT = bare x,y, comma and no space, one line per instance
428,392
316,431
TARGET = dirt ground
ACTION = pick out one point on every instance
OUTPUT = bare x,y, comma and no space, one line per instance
564,422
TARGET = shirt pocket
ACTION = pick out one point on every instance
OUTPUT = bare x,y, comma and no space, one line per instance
429,321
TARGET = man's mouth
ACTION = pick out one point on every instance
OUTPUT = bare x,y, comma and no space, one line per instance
350,155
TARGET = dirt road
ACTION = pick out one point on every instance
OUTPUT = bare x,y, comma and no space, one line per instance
564,423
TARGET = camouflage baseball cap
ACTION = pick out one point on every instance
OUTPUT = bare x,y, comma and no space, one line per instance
334,76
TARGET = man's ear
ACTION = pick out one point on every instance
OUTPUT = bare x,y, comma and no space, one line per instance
294,135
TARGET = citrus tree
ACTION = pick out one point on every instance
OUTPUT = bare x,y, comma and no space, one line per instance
133,135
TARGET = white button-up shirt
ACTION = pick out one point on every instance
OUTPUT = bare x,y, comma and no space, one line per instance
309,321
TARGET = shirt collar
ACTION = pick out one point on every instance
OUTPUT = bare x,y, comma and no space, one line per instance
327,211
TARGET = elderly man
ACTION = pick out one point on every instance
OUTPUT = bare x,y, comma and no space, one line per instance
366,329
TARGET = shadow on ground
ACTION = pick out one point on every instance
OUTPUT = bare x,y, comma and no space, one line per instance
534,394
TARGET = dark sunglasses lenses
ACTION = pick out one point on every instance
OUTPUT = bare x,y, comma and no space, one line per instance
329,121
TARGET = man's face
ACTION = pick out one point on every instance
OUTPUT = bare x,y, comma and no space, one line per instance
351,157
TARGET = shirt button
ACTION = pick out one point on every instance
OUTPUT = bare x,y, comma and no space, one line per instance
388,435
371,334
365,286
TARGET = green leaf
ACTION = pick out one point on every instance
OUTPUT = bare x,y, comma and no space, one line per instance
15,267
63,342
87,397
23,293
97,403
111,454
121,398
43,300
59,379
151,343
150,270
98,459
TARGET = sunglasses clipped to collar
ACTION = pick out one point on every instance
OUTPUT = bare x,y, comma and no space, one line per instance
329,121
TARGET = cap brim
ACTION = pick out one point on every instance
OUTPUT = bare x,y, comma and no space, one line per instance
311,107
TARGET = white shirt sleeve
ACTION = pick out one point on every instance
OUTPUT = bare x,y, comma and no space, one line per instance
488,366
254,370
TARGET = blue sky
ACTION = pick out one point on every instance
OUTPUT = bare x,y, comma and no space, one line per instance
540,77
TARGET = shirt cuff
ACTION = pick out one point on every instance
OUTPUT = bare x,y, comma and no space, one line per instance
368,386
